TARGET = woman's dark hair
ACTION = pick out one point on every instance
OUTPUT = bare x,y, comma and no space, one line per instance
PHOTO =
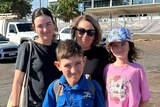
95,24
133,53
42,11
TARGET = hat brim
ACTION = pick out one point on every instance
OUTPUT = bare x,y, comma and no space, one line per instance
109,43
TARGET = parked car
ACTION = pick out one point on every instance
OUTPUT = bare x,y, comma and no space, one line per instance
8,50
103,39
64,33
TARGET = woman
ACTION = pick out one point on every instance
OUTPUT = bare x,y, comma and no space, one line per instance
42,71
86,31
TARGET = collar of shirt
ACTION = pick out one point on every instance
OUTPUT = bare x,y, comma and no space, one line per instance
82,84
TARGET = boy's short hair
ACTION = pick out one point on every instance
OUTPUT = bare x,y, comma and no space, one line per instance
67,49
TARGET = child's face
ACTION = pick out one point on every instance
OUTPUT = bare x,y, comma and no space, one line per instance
120,50
72,68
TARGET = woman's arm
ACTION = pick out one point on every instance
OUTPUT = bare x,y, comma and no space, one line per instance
16,87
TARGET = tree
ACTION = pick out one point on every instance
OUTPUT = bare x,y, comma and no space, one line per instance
19,7
65,10
5,6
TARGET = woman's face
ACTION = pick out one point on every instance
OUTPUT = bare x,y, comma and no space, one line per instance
85,33
44,27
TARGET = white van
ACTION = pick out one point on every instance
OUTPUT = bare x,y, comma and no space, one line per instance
16,30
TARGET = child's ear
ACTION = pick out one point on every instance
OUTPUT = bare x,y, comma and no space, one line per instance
57,64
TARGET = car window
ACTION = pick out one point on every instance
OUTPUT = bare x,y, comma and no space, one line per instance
66,30
12,28
24,27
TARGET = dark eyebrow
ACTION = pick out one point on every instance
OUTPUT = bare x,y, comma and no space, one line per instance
49,22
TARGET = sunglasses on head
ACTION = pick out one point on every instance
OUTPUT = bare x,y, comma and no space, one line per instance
82,31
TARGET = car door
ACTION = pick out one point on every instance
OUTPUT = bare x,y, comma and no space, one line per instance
12,33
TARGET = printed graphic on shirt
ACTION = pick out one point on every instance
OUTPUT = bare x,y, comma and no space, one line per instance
87,94
117,88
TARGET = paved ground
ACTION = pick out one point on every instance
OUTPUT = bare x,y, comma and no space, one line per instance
6,78
150,59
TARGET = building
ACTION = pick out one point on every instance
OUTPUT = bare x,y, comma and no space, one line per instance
52,2
121,7
141,16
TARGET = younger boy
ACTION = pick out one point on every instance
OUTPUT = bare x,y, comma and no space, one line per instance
75,90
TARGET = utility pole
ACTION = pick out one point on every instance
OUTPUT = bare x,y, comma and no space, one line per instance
40,3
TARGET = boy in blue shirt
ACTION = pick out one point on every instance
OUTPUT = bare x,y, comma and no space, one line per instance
75,90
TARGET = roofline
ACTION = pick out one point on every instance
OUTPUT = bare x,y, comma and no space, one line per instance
124,10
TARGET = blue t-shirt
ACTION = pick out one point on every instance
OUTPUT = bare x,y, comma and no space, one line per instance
77,96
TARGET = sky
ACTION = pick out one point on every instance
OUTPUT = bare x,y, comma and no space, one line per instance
36,4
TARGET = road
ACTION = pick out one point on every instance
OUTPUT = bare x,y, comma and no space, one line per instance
6,77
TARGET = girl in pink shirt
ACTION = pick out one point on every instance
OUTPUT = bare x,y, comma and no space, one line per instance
126,84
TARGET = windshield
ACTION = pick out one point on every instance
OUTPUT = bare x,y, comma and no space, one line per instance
24,27
2,38
66,30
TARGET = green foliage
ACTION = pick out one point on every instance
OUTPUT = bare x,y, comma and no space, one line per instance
22,7
65,10
5,7
19,7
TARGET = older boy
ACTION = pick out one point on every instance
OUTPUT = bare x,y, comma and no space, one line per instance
75,90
